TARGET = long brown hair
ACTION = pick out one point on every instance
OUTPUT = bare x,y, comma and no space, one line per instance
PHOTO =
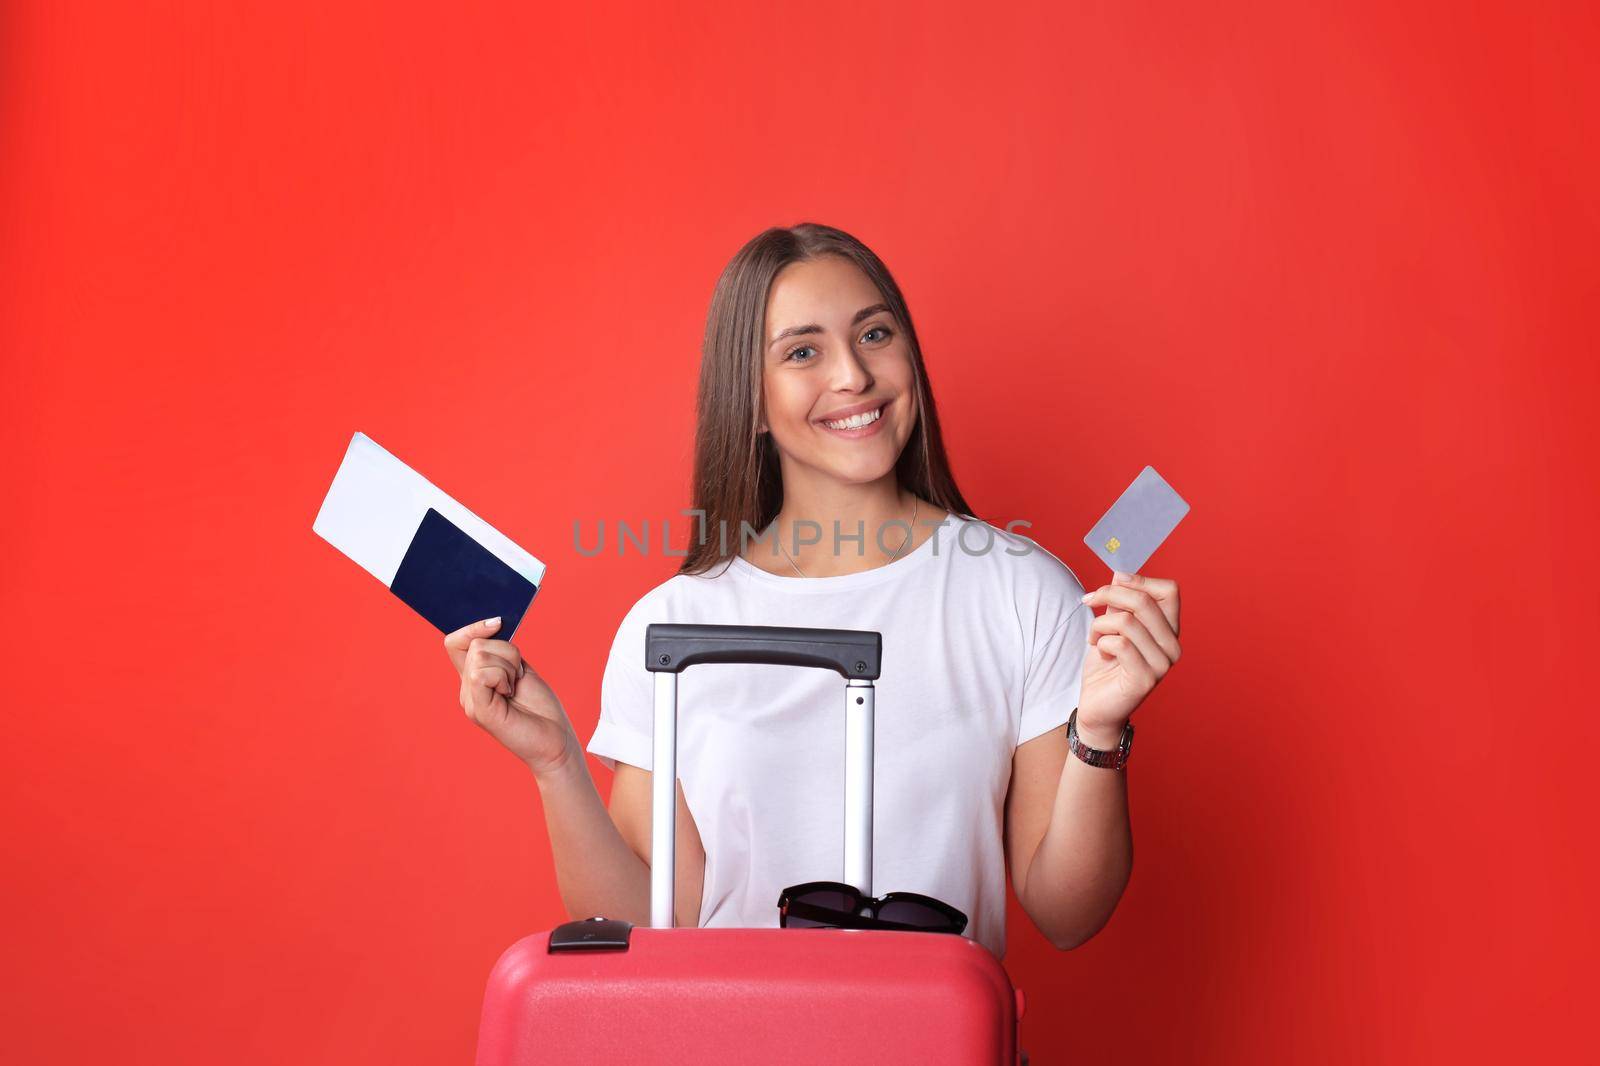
737,477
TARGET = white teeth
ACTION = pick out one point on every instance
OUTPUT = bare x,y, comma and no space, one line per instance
866,418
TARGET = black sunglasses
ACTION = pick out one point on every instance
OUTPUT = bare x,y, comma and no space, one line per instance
835,905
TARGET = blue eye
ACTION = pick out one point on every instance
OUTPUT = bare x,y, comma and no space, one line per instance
877,329
795,351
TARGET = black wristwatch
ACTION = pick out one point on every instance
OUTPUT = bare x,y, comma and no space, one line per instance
1110,760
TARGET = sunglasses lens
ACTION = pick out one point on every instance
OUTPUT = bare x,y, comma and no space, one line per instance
920,915
811,910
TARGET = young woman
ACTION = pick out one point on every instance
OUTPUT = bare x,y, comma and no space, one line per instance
828,502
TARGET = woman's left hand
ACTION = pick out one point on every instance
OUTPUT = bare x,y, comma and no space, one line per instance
1131,648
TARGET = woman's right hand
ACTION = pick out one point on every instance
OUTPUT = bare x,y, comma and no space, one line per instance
509,700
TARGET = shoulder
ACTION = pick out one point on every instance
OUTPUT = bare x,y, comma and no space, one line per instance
680,598
682,592
1029,581
1010,556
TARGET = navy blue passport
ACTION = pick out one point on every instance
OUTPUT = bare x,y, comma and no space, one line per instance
452,580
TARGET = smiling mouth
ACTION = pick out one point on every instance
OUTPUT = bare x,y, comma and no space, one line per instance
860,421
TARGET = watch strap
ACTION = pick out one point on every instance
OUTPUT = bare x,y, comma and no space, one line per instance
1114,759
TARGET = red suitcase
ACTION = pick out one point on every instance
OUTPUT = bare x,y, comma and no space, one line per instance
600,990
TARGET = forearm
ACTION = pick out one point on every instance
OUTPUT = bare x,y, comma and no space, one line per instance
596,871
1083,862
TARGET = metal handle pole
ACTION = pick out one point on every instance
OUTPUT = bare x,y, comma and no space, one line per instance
664,803
858,716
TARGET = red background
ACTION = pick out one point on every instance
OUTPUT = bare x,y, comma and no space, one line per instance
1330,270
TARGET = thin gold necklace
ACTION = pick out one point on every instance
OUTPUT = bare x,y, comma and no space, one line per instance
917,503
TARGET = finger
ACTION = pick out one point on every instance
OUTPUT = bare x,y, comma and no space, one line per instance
1138,602
1127,655
500,677
492,671
526,689
480,652
456,643
1163,590
472,697
503,648
1127,625
478,700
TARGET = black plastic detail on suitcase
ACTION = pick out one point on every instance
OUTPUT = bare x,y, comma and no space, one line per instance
591,934
853,653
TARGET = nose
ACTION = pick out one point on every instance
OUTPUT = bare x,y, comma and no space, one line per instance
849,373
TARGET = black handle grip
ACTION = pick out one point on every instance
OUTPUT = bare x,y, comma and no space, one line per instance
854,653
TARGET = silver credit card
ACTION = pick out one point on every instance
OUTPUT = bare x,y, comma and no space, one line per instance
1128,534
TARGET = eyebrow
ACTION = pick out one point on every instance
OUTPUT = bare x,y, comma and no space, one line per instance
793,331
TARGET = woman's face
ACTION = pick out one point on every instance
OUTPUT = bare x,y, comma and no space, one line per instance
836,372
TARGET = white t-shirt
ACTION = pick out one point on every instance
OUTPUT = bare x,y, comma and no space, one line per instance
982,651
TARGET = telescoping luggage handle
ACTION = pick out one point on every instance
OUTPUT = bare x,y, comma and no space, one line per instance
671,647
